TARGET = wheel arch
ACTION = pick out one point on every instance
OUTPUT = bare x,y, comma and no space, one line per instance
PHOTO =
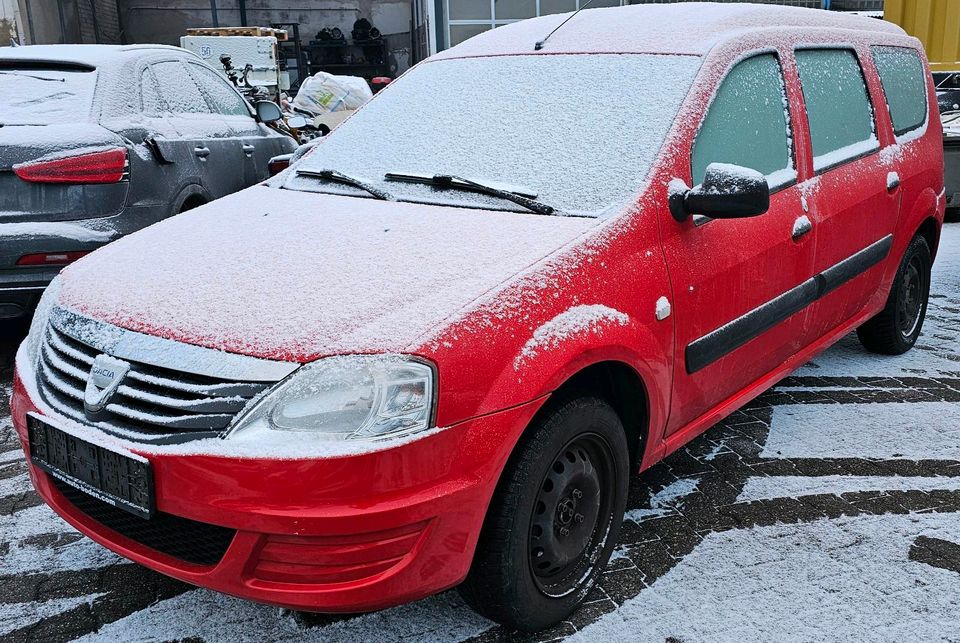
620,385
190,196
930,231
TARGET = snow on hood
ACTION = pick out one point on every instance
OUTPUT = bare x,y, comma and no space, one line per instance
292,275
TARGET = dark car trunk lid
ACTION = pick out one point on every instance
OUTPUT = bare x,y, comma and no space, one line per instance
26,201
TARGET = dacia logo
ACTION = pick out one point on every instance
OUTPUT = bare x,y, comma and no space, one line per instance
106,375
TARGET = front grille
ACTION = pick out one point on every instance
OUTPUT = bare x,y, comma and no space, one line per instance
153,404
189,540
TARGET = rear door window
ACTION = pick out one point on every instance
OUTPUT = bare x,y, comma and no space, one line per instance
905,86
838,106
177,89
222,97
747,123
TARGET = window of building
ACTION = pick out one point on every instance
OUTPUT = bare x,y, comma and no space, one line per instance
747,124
838,106
905,86
467,18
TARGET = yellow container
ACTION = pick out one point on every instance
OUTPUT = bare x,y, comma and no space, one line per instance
936,23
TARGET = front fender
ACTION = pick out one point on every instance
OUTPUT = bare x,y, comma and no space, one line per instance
631,343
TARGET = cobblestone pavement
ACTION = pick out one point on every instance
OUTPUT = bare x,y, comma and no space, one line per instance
828,509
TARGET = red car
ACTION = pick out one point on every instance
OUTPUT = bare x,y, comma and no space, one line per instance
434,356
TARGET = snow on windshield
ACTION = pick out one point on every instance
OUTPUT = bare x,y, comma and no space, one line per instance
581,131
45,96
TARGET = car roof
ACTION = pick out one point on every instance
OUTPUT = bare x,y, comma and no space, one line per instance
90,55
691,28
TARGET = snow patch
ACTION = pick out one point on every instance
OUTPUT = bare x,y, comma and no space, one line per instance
224,619
62,230
666,501
662,308
573,321
772,487
922,431
15,616
841,580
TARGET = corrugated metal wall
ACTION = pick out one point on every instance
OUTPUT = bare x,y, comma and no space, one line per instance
936,23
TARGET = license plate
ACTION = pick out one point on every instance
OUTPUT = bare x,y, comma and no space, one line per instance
114,478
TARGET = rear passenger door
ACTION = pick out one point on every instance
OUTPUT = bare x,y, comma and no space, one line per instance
734,316
252,145
203,137
853,209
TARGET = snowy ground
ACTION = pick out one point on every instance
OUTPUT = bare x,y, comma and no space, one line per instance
827,510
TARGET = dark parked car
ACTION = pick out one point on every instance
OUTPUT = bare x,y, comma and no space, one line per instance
98,141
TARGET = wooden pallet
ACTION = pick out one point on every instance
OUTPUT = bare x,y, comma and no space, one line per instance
279,34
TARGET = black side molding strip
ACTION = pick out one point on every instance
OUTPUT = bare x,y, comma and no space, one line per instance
702,352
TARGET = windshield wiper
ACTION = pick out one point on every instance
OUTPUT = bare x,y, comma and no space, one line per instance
20,73
340,177
452,182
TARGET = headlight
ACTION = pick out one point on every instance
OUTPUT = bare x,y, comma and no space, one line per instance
39,324
346,398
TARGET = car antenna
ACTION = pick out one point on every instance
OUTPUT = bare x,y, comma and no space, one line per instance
541,43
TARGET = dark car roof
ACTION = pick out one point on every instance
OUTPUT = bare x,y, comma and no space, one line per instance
85,55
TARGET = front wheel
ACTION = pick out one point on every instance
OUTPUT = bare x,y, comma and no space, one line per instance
895,330
554,519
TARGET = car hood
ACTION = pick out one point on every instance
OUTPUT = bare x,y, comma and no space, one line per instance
292,275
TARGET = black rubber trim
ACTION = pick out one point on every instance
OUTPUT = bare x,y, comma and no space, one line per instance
702,352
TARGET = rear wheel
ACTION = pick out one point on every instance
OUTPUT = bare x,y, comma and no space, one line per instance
554,519
895,330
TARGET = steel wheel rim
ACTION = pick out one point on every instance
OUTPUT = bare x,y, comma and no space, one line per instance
910,304
572,515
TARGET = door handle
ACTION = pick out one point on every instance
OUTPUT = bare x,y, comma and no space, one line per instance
202,152
249,149
893,181
801,227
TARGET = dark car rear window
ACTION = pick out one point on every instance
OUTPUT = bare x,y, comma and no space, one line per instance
43,95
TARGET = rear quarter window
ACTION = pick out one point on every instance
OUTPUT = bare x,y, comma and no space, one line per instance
838,106
905,86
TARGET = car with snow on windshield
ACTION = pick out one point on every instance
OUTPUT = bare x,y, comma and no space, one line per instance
434,357
98,141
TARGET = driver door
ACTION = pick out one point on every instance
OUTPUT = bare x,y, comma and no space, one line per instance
738,283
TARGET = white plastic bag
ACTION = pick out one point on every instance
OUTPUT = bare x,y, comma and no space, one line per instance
324,93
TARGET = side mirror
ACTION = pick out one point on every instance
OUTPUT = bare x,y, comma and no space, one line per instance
296,122
727,192
268,111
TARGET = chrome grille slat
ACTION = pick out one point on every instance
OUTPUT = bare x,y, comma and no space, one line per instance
153,403
230,405
210,390
160,418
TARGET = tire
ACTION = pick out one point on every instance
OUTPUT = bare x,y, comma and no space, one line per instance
554,519
895,330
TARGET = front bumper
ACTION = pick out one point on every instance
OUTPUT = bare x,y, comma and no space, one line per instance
346,534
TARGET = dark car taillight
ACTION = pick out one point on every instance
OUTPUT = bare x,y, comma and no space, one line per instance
279,163
107,166
51,258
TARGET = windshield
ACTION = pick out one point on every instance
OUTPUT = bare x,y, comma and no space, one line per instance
44,96
579,131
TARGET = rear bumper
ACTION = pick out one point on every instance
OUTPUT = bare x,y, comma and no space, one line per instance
20,286
346,534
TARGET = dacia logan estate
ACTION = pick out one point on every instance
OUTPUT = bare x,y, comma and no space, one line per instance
435,356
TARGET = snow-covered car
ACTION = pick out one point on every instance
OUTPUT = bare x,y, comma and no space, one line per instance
435,356
98,141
